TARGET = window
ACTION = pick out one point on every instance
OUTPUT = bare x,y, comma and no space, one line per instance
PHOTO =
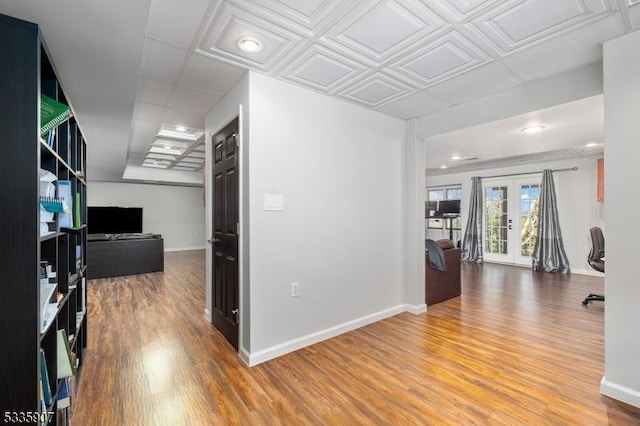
436,194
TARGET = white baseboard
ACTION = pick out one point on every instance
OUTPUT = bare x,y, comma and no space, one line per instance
621,393
184,248
207,315
592,272
244,355
258,357
416,309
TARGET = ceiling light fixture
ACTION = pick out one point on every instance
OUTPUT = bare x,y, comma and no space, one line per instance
533,129
249,44
181,128
444,166
592,144
455,157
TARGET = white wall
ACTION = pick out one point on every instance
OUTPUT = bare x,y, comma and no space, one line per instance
578,207
338,167
622,171
176,212
413,197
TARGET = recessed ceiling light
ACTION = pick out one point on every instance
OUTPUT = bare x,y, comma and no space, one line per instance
249,44
181,128
592,144
533,129
444,166
455,157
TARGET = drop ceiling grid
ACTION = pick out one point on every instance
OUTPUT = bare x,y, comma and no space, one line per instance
309,14
377,90
383,29
317,60
496,24
452,48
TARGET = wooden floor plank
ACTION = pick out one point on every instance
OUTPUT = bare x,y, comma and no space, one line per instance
516,348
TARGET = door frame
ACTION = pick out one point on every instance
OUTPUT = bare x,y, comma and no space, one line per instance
513,213
242,238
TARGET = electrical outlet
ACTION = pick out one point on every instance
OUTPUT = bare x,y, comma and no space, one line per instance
295,289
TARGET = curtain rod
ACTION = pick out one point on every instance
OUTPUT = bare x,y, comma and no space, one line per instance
529,173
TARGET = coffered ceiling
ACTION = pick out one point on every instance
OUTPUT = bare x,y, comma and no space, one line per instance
176,60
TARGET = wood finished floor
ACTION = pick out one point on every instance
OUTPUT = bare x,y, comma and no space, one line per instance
517,348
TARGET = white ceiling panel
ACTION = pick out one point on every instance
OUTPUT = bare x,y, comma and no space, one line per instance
173,23
230,23
384,28
377,90
322,69
444,58
204,73
517,24
153,92
161,62
192,101
139,146
147,112
466,6
307,13
569,51
485,80
179,117
144,130
197,154
414,105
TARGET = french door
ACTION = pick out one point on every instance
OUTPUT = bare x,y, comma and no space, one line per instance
510,219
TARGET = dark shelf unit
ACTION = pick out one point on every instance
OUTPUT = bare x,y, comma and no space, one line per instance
25,73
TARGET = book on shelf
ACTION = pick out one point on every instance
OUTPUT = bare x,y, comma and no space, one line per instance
44,375
48,315
43,404
52,114
51,137
66,366
64,395
76,210
65,219
51,205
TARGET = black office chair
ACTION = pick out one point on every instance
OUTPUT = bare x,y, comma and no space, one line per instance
596,260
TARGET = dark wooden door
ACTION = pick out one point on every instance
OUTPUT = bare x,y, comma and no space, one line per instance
224,241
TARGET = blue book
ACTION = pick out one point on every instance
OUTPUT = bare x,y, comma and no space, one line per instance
64,395
44,374
65,219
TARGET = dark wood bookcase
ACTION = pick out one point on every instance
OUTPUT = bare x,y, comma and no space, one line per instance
25,73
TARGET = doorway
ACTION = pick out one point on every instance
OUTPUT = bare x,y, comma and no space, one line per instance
224,240
510,219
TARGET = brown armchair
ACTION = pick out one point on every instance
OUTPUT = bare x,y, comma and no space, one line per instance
443,285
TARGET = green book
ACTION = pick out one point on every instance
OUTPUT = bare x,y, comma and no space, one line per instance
66,367
52,114
76,211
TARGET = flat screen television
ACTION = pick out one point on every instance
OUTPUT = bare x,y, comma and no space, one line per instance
449,207
114,220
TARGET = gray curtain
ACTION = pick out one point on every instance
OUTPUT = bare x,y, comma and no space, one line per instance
472,241
548,253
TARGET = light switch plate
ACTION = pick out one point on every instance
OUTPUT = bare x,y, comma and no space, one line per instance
273,202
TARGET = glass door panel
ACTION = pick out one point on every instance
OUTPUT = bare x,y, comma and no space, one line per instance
511,220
